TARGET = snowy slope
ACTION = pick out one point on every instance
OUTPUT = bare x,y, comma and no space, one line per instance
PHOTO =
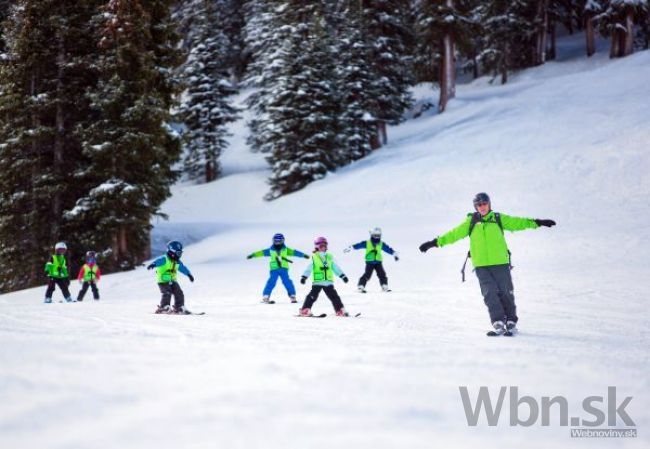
567,141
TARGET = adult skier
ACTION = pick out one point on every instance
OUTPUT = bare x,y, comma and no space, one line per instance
56,269
322,268
167,268
374,247
278,267
89,275
491,258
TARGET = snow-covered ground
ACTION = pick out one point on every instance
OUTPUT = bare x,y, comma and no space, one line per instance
567,141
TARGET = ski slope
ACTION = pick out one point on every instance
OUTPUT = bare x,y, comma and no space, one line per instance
567,141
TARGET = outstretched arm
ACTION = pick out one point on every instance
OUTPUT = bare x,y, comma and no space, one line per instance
260,253
513,224
186,271
359,245
295,253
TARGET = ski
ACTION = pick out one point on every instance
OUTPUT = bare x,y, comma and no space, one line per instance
322,315
268,302
505,333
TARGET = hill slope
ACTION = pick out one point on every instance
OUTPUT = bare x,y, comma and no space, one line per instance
567,141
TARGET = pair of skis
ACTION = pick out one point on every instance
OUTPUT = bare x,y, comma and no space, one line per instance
323,315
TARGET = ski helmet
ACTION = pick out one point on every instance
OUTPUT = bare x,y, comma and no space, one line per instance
320,241
375,232
175,249
278,239
481,198
60,247
91,256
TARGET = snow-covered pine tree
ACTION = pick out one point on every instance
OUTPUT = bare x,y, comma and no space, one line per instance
129,146
205,108
386,29
304,110
50,44
441,25
509,33
617,22
357,87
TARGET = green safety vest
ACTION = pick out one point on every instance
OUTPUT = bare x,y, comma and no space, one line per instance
373,252
322,270
168,272
57,267
279,259
90,273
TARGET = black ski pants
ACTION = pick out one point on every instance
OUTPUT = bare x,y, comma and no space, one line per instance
84,289
331,293
370,267
63,286
498,292
168,289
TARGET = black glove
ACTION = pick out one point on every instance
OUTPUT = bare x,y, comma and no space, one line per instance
306,256
303,279
428,245
191,277
250,256
151,266
543,222
345,278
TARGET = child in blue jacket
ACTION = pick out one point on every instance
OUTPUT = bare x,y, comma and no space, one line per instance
167,268
279,267
374,247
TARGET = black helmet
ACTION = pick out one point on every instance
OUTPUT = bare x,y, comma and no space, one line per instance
175,249
91,255
481,198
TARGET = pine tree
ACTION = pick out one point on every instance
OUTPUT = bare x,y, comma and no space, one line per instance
510,35
358,87
129,145
386,28
617,22
5,6
206,109
42,84
303,111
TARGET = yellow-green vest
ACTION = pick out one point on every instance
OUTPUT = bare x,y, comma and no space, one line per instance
373,252
168,272
279,258
57,267
322,270
90,273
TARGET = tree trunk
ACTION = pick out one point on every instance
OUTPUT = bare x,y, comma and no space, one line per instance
628,46
447,71
539,54
210,171
57,202
551,54
383,134
590,34
375,141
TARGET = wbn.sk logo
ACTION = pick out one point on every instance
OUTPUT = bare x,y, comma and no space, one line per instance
598,410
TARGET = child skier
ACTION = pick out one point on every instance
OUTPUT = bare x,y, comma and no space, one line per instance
279,267
88,276
490,257
374,246
322,268
56,270
167,268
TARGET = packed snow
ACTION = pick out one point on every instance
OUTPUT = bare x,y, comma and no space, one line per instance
567,141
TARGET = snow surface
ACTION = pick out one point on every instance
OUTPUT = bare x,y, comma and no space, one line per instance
567,141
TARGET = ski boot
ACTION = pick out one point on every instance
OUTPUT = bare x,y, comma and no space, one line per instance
342,312
180,310
499,329
48,300
70,299
385,288
265,299
361,289
305,312
293,299
511,326
163,309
